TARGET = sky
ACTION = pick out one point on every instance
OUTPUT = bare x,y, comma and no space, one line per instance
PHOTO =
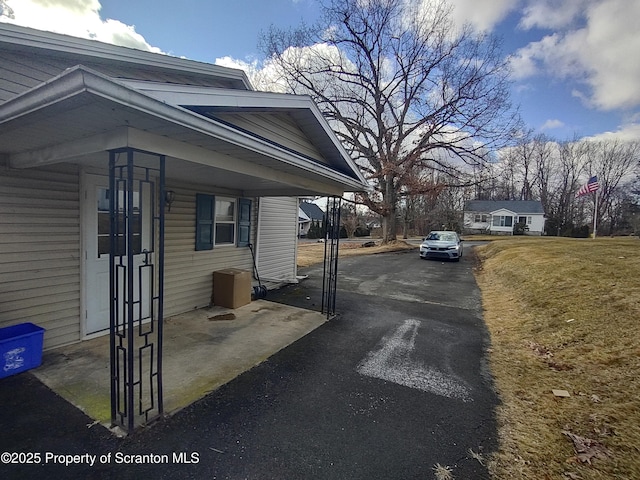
575,63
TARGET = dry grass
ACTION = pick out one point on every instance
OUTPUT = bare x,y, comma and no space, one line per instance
312,253
443,472
563,314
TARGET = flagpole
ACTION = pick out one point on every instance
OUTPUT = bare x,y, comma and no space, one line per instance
595,215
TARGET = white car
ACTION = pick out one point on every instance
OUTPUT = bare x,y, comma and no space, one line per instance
441,244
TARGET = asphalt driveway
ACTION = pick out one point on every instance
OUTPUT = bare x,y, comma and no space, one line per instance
392,386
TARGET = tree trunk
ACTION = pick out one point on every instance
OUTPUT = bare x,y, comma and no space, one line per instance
389,226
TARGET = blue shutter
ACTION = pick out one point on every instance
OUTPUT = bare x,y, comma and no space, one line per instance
244,222
205,206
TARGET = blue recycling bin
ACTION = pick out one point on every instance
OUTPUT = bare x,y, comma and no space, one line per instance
20,348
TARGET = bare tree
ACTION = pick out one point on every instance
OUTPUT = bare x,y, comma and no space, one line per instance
614,163
349,218
403,88
543,153
6,10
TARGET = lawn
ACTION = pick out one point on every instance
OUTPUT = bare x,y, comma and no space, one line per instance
563,315
311,253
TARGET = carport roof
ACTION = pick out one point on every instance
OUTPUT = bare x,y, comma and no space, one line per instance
81,112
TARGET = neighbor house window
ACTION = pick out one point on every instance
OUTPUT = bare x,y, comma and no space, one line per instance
502,221
481,218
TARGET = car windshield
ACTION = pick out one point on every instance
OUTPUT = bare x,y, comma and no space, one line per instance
442,236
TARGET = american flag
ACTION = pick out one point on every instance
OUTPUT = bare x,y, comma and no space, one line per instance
591,186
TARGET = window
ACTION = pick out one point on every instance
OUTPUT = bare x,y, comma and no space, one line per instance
104,223
222,221
480,218
502,221
225,227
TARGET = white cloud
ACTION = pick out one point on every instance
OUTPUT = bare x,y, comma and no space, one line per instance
598,49
261,78
626,133
78,18
483,15
551,14
551,124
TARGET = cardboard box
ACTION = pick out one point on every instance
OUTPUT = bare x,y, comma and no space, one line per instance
231,288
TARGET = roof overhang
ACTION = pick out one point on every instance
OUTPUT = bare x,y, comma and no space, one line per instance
210,102
82,112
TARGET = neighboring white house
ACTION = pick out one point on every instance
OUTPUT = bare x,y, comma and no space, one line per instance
234,162
304,223
312,214
501,216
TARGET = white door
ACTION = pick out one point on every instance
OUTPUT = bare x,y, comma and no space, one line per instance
96,225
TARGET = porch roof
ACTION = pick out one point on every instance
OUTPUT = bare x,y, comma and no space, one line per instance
503,211
82,112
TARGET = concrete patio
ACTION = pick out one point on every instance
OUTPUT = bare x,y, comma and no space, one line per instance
203,350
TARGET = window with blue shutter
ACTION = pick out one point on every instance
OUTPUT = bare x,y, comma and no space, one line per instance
204,221
244,222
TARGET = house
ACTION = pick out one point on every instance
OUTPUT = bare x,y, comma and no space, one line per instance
314,215
128,177
304,223
501,216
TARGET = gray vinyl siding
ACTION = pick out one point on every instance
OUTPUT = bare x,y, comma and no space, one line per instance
277,238
22,71
189,273
40,250
277,128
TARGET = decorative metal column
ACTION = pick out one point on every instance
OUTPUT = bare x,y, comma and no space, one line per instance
136,273
331,244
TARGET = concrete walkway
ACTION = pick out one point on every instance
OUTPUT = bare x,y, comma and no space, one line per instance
202,350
